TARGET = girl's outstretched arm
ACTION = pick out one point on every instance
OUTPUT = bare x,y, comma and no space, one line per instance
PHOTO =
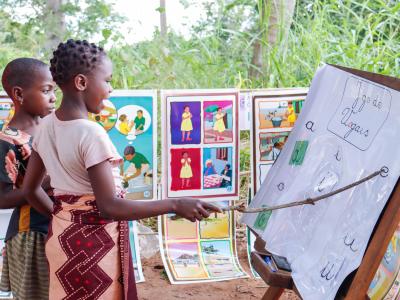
32,186
120,209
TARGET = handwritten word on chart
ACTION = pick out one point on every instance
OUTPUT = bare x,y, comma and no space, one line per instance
362,102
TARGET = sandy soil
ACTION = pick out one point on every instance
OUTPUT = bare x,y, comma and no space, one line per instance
157,285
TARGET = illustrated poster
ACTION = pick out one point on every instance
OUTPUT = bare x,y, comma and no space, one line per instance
274,113
245,110
200,150
386,283
6,113
130,119
344,133
134,244
200,144
5,216
200,251
6,110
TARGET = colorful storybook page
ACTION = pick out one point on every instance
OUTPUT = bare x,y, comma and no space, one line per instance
345,125
130,119
274,113
200,151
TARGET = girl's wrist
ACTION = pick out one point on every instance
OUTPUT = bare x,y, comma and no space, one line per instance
173,205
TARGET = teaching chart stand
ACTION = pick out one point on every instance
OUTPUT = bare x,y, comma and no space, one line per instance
358,287
355,283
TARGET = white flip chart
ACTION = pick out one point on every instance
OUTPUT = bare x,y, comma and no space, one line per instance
349,128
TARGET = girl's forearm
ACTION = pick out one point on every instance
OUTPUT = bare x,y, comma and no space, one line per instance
12,199
122,209
40,201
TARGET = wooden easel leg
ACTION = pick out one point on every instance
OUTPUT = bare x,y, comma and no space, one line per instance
273,293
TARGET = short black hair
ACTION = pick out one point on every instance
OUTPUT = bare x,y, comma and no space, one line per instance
21,72
74,57
228,165
141,111
129,150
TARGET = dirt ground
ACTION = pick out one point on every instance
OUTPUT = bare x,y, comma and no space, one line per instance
157,285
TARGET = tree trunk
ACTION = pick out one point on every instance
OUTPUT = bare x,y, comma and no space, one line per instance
163,19
280,19
278,15
55,23
257,60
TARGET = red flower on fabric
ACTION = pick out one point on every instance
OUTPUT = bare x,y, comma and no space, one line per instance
25,151
11,166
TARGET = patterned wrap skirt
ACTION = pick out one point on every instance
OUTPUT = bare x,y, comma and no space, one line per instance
89,256
25,270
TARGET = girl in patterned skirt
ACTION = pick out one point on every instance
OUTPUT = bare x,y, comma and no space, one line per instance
88,247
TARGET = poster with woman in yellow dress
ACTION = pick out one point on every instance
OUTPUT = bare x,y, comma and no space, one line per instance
291,114
186,173
218,122
186,125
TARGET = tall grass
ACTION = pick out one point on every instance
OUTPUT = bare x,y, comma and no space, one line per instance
358,34
362,34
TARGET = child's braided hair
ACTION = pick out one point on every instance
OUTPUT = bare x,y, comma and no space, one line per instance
72,58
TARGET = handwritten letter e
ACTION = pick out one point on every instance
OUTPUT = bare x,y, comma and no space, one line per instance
361,113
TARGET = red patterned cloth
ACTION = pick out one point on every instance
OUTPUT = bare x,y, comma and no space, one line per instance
89,256
212,181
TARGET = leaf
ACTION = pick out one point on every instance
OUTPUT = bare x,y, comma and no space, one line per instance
161,10
169,59
153,61
106,33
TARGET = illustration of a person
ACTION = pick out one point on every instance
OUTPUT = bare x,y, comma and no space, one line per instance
186,125
226,176
98,120
125,126
219,124
274,150
9,117
138,160
186,173
139,121
209,168
291,115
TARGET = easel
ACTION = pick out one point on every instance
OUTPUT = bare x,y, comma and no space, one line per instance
380,238
384,229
